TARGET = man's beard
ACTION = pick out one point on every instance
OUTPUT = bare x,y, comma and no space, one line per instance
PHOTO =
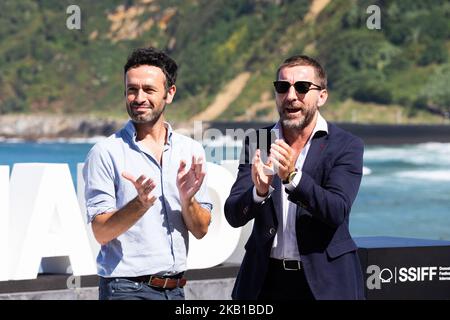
148,118
299,123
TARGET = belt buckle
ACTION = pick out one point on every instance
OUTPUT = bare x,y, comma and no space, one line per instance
164,286
291,269
165,283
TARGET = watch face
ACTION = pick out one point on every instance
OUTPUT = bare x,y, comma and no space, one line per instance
291,176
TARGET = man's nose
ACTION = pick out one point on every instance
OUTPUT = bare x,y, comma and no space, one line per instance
140,97
291,94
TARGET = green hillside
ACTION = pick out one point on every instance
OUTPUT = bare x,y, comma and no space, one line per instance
401,69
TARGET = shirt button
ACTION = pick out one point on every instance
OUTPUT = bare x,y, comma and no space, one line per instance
272,231
245,210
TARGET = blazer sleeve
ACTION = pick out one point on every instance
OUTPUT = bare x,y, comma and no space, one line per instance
331,202
240,206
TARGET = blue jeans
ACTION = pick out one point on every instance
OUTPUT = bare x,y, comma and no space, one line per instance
124,289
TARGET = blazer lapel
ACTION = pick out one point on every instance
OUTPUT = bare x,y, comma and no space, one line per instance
315,152
276,197
318,144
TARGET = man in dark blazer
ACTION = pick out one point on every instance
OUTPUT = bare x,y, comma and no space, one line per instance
298,180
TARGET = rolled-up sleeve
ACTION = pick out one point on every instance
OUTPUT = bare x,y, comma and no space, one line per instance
98,174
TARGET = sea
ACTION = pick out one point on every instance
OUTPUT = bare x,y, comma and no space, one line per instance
405,189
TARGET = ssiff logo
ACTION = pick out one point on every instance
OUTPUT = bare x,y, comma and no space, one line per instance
377,276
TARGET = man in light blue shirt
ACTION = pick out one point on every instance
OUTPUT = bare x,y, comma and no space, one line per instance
145,191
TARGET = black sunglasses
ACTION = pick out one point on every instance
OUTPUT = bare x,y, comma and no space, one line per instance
301,87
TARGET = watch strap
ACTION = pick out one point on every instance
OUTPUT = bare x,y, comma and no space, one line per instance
290,177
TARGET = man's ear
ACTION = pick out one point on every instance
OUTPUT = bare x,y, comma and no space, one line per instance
323,96
170,94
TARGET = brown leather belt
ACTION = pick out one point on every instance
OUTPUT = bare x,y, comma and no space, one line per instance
164,283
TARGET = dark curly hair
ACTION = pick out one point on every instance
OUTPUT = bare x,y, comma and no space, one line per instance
153,57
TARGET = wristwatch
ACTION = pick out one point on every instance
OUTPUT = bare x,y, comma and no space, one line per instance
290,177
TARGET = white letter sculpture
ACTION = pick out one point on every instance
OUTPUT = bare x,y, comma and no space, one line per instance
221,240
4,221
45,220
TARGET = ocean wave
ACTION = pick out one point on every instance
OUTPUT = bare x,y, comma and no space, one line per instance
11,140
366,171
420,154
91,140
430,175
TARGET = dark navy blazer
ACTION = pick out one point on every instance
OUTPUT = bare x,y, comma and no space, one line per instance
331,177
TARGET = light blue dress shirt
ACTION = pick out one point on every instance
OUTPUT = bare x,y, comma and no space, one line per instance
158,242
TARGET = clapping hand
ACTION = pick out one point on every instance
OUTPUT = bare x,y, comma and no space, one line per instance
283,158
262,174
189,181
144,187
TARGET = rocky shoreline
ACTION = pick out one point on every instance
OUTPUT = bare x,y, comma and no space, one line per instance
57,127
35,127
65,127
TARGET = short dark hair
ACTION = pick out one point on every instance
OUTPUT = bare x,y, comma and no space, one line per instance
302,60
153,57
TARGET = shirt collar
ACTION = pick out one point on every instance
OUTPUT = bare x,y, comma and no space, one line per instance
321,125
131,130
